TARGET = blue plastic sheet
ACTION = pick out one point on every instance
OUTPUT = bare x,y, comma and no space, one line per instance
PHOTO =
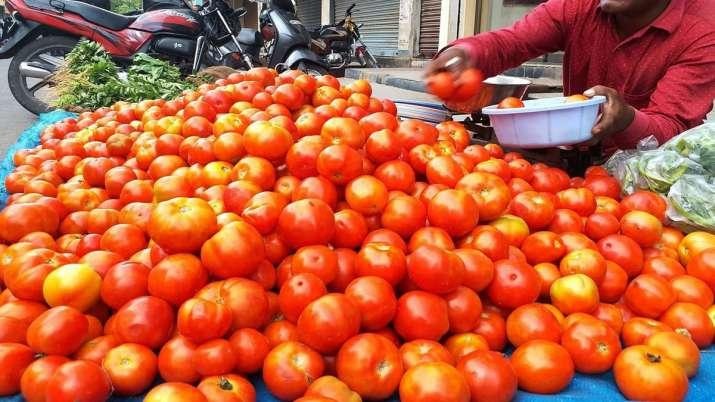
599,388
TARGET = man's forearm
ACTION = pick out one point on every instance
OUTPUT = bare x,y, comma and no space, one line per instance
646,124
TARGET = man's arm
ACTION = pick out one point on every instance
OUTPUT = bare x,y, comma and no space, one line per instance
681,100
543,30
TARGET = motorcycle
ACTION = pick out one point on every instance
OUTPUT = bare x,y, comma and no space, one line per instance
287,41
39,33
339,44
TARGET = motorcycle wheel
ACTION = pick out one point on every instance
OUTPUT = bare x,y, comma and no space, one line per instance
312,68
25,78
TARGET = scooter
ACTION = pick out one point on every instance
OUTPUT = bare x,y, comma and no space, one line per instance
339,44
287,41
39,33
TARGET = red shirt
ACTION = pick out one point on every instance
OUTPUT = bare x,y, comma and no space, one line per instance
666,70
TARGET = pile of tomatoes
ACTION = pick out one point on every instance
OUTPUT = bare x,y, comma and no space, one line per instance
290,227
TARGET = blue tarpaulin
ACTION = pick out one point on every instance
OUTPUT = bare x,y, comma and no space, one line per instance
599,388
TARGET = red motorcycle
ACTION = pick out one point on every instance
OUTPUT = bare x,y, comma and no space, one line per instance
37,34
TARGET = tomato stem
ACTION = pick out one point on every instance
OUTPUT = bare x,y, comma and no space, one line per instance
653,358
225,384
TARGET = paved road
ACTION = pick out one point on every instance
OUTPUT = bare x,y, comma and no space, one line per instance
13,118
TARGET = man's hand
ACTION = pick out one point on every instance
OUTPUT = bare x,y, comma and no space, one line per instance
616,114
453,59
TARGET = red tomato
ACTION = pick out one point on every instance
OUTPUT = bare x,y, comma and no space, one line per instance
490,377
251,347
593,346
435,381
175,361
306,222
237,242
464,309
454,211
174,392
34,379
201,320
14,359
146,320
515,283
131,368
435,270
537,209
80,381
370,365
614,283
645,201
566,220
318,260
326,323
690,289
530,322
588,262
542,367
375,299
228,388
649,295
421,315
424,351
177,278
623,251
57,331
289,368
382,260
636,330
215,357
298,292
678,347
182,224
693,319
543,247
638,368
478,268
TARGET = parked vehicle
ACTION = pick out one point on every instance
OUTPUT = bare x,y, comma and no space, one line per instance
39,33
287,41
339,44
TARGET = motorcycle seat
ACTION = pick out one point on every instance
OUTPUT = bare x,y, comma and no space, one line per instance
250,37
93,14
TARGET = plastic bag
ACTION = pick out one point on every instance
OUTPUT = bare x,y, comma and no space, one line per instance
623,165
697,144
692,202
660,169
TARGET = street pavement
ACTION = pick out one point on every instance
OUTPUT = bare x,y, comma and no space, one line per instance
13,118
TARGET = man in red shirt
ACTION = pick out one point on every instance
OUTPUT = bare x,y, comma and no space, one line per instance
654,60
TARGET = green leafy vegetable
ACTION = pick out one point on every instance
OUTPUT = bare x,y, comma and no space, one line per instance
692,199
660,169
697,144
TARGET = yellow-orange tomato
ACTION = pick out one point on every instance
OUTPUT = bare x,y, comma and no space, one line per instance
693,244
576,293
513,227
74,285
576,98
679,347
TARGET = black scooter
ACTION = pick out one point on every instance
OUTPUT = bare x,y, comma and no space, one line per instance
286,40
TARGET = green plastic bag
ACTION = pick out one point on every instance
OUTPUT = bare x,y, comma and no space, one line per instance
692,202
697,144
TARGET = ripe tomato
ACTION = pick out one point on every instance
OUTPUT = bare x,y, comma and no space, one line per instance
34,379
478,268
326,323
623,251
424,351
124,282
649,295
532,321
435,381
454,211
306,222
175,361
73,285
58,331
421,315
678,347
228,388
537,209
316,187
414,132
430,236
464,308
543,247
465,343
318,260
691,318
642,227
606,186
251,347
370,365
614,283
566,220
176,278
375,298
638,368
435,270
542,367
237,242
690,289
588,262
382,260
331,387
510,103
14,359
299,291
441,85
80,381
146,320
702,265
397,175
592,344
490,377
515,283
201,320
215,357
131,368
601,224
182,224
366,195
17,220
636,330
579,200
290,368
174,392
645,201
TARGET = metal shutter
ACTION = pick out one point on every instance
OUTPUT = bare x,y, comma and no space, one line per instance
429,27
380,21
309,13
